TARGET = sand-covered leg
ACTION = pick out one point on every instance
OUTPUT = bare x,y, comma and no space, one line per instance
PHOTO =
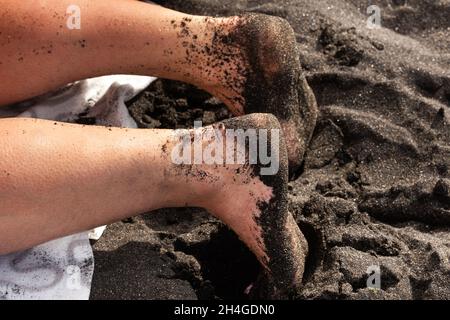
250,62
119,172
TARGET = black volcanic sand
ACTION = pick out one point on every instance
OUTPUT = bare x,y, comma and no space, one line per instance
375,188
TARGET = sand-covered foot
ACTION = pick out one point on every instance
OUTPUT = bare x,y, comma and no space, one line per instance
253,202
256,61
275,83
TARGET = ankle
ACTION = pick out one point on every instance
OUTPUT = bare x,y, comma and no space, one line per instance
216,63
255,184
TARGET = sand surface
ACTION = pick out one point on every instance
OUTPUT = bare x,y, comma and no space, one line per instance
375,186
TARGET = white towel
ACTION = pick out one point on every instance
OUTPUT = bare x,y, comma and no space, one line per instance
63,268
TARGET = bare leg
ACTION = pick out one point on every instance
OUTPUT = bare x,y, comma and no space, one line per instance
57,179
249,62
116,36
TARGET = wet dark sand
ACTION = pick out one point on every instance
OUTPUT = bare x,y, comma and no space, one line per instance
374,188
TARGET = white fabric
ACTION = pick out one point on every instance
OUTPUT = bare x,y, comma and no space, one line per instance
59,269
63,268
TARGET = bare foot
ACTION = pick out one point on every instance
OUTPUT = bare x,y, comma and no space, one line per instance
284,246
275,83
251,62
253,202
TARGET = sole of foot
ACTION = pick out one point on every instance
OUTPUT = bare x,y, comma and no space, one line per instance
284,246
275,82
